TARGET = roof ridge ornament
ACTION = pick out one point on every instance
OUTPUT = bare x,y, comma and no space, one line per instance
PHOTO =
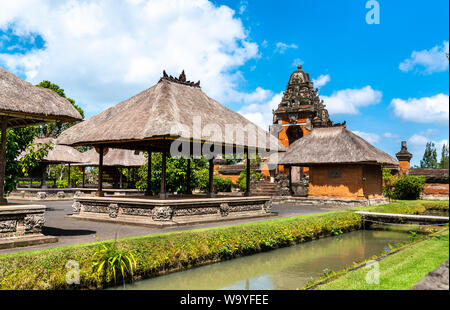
180,80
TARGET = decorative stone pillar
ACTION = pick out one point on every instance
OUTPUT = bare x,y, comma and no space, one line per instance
404,158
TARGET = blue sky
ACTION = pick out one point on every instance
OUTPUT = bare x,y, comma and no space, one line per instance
389,81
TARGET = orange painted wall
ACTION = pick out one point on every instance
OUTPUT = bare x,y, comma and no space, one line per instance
350,185
404,167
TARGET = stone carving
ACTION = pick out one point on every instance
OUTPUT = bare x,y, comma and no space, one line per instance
96,208
8,226
76,207
61,195
224,209
181,79
77,194
126,210
268,206
33,223
162,214
113,210
194,211
283,184
41,195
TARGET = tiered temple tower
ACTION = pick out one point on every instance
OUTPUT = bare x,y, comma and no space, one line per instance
300,110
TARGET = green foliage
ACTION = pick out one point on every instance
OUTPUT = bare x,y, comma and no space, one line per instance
222,184
109,260
429,157
17,140
408,187
388,183
242,180
35,153
444,164
175,174
55,129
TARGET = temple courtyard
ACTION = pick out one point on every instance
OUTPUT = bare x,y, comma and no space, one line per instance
71,231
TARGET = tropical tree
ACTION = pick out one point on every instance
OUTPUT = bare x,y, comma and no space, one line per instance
55,129
444,164
429,159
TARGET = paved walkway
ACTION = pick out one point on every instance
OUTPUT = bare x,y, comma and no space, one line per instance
75,231
436,280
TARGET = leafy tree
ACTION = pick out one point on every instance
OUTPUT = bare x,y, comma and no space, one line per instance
388,183
444,164
17,141
55,129
429,157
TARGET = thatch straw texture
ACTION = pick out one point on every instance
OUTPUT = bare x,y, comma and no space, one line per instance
59,153
159,113
114,158
25,104
333,145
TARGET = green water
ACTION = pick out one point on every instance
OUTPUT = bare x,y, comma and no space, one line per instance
286,268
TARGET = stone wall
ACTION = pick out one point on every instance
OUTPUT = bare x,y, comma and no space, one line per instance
17,221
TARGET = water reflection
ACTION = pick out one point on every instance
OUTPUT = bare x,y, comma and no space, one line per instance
287,268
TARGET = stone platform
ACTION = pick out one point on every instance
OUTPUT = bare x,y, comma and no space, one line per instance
49,194
174,211
22,225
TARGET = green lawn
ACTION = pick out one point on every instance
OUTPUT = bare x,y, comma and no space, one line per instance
399,271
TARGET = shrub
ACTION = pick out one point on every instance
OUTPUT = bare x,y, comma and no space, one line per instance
408,187
222,184
242,181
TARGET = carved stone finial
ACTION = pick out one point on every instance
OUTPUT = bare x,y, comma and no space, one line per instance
165,73
182,77
299,67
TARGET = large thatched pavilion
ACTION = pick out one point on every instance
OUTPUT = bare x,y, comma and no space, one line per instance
21,105
172,117
114,158
341,164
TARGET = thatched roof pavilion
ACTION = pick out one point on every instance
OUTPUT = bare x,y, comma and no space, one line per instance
22,104
173,109
340,163
114,158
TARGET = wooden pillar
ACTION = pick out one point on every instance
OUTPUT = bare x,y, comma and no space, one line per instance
290,179
211,178
44,176
188,177
149,191
100,173
3,124
163,193
83,169
248,174
68,178
120,178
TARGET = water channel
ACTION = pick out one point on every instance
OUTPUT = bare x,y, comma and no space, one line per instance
282,269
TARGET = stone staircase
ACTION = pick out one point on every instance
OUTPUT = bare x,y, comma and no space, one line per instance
264,188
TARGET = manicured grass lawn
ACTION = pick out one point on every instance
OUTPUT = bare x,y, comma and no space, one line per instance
401,270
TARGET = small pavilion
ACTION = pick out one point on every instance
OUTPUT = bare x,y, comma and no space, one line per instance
342,164
172,117
114,158
58,154
23,104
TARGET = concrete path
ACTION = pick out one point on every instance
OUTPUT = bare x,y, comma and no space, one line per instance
436,280
72,232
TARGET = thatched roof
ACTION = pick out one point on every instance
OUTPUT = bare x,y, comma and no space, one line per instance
431,175
114,158
59,154
333,145
25,104
148,119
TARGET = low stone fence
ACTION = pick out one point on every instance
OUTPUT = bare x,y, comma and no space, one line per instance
180,211
37,194
16,221
330,202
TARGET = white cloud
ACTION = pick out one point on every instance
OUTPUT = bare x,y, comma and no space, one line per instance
430,61
422,110
259,112
296,62
390,135
348,101
369,137
321,80
283,47
102,52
